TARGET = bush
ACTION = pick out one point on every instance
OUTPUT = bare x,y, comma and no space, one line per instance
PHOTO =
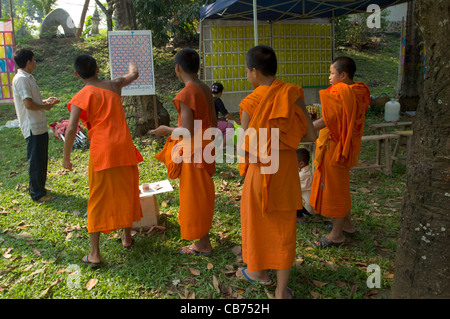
352,30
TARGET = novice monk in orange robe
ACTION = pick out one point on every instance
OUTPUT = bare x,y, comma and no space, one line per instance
344,105
113,173
270,198
193,103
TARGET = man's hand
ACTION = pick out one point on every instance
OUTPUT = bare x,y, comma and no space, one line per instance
48,103
51,100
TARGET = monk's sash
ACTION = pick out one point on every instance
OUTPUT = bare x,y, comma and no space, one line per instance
339,114
362,94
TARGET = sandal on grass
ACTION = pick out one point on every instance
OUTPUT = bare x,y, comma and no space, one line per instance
86,261
192,251
290,293
325,242
244,274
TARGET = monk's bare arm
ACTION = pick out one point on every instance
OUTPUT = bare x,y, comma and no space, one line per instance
132,75
319,124
245,120
311,134
70,134
187,118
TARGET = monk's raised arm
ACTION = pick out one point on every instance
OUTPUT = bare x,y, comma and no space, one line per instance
132,75
311,134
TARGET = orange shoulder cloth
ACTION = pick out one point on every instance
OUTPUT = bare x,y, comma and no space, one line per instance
273,107
339,114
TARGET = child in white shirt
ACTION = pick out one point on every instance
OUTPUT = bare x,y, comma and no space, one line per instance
306,179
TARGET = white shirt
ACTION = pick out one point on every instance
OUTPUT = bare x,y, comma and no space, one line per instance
306,179
24,86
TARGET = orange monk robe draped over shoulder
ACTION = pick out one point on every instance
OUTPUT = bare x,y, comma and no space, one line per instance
113,173
270,201
196,188
362,95
335,152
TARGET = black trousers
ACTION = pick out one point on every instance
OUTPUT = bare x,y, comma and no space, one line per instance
37,155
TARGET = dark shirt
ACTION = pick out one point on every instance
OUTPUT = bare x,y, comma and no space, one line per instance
220,107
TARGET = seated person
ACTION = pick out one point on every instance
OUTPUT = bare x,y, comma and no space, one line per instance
306,179
222,123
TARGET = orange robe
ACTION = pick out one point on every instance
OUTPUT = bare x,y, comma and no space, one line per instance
336,149
362,94
196,187
270,202
113,173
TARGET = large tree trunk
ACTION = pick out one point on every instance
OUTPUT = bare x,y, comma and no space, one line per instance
140,114
422,264
126,16
412,79
143,104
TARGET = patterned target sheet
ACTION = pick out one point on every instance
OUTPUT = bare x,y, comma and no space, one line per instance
132,46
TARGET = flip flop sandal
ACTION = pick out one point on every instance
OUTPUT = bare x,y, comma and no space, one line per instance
290,292
85,261
325,242
195,252
265,283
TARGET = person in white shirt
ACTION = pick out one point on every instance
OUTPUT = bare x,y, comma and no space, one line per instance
30,110
306,179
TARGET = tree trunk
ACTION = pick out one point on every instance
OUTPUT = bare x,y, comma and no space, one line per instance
422,264
126,16
144,113
412,81
143,104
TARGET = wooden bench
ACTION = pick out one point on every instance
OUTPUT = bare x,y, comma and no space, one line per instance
380,139
407,135
380,128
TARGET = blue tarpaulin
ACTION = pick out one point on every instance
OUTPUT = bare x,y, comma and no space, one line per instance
275,10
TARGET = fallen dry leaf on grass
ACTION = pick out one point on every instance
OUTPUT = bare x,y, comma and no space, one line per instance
194,271
315,295
38,251
319,283
216,284
22,235
353,290
52,285
91,283
7,254
237,250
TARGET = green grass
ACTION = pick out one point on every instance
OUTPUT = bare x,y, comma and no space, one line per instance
41,244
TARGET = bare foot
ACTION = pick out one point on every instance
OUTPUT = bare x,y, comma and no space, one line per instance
195,250
284,294
127,241
260,276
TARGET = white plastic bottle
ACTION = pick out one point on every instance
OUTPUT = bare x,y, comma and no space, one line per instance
392,111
